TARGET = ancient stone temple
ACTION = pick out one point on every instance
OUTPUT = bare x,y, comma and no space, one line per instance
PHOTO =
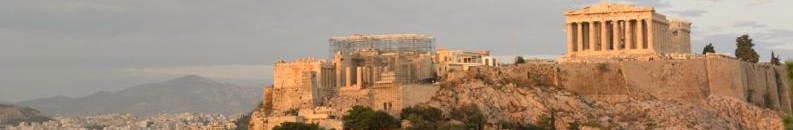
619,30
384,72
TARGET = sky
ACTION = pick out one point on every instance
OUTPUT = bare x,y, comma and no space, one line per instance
77,47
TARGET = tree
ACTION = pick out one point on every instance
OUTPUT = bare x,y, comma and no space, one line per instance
381,120
422,117
470,115
519,60
708,49
364,118
297,126
425,113
242,122
744,49
775,59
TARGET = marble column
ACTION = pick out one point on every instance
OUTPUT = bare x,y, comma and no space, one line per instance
651,34
359,77
570,32
347,76
615,33
640,37
580,37
604,46
629,34
592,38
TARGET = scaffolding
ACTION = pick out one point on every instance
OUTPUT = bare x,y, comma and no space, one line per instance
389,43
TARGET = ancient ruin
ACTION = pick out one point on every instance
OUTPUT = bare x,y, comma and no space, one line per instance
619,30
616,53
385,72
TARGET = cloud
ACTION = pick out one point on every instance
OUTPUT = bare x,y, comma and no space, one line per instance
759,2
653,3
690,13
748,24
218,71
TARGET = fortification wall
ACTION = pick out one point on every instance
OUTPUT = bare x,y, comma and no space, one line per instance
682,80
596,80
691,79
727,76
387,97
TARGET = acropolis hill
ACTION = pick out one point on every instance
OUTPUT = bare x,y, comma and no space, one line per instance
625,67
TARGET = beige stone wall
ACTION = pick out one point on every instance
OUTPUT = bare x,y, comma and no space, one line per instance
682,80
583,77
302,83
689,80
387,97
727,76
680,32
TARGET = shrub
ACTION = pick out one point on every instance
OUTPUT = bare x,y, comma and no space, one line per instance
470,115
297,126
291,112
364,118
787,121
425,113
546,122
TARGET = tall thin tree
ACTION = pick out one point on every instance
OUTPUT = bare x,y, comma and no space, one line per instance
708,49
744,50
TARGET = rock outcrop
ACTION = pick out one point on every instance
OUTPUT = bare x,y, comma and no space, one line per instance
503,97
12,115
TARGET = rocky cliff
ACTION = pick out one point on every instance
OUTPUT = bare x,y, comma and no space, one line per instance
529,99
12,115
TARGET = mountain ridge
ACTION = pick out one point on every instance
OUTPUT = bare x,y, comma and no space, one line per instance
190,93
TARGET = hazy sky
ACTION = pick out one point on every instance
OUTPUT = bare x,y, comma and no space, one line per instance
76,47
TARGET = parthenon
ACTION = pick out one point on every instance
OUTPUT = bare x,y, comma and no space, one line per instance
609,30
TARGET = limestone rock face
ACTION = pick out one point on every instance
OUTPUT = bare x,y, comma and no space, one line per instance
12,115
525,102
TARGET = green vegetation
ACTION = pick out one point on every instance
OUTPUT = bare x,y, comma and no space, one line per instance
787,121
519,60
744,50
297,126
422,117
364,118
708,49
775,59
574,126
466,117
242,122
470,115
546,122
749,94
291,112
789,69
95,127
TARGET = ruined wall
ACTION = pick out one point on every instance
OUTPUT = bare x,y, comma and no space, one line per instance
417,93
303,83
387,97
727,77
766,86
596,80
691,79
683,80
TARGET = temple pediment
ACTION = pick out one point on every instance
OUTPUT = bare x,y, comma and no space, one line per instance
609,8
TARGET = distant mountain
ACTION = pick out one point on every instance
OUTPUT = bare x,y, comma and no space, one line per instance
12,115
184,94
